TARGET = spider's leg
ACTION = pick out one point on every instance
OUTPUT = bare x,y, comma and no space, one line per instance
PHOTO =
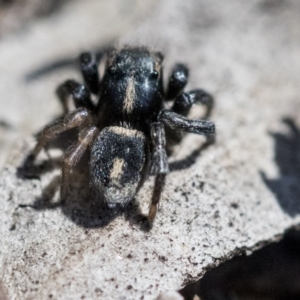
159,162
74,154
177,81
159,165
79,93
176,122
73,119
89,69
157,191
185,101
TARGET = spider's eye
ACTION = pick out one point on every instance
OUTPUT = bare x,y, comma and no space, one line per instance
154,75
112,70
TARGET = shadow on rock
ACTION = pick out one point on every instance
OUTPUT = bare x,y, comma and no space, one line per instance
188,161
287,157
71,62
82,205
31,170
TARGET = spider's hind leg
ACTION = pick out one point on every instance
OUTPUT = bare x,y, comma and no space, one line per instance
159,166
74,154
76,118
157,191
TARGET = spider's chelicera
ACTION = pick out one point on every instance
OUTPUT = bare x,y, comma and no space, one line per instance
127,131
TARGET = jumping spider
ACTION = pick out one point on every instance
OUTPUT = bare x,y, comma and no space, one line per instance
128,130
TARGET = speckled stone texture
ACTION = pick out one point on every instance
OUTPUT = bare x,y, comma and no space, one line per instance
230,198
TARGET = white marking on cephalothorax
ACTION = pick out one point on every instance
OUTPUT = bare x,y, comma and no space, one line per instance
130,95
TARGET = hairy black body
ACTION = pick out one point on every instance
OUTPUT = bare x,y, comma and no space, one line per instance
131,91
127,131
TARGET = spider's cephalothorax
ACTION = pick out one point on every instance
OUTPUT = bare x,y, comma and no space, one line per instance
131,91
125,130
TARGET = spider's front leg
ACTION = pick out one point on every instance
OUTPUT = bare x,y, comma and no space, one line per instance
79,92
177,82
89,69
185,101
159,165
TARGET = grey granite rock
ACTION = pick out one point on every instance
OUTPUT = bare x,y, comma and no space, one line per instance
228,199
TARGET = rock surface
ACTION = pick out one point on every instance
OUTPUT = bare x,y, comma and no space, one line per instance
228,199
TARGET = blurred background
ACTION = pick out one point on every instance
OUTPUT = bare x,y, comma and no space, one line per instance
36,34
238,50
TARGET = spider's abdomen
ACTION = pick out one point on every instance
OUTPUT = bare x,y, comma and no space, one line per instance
118,163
